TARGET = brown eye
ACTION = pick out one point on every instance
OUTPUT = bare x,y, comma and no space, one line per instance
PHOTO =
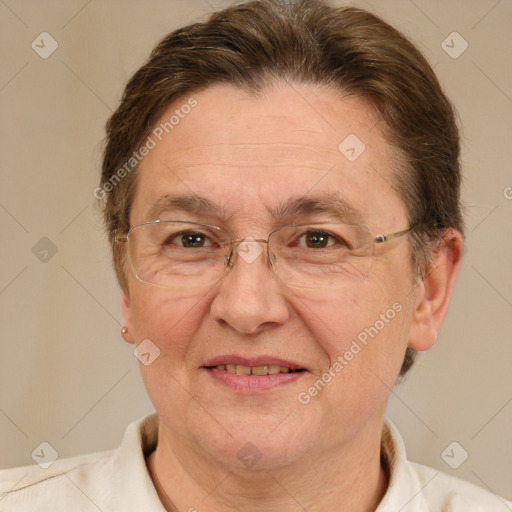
317,239
189,239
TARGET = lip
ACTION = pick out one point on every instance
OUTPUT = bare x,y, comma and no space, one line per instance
252,384
262,360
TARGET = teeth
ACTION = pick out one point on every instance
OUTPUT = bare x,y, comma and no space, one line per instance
260,370
243,370
252,370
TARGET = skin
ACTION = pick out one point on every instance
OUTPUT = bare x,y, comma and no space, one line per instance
248,153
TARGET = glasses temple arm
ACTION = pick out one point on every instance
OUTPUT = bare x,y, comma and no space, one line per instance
384,238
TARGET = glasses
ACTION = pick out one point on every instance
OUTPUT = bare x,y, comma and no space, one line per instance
187,255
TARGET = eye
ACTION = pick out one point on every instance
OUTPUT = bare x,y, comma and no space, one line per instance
316,240
189,239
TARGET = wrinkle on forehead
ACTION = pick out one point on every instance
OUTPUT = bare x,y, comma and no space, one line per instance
242,155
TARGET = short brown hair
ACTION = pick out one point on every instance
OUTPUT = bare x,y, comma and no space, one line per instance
253,44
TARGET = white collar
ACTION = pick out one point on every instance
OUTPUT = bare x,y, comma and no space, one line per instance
134,489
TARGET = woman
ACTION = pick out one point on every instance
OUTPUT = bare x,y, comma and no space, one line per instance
281,189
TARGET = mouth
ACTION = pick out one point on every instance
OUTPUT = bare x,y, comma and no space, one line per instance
253,375
240,369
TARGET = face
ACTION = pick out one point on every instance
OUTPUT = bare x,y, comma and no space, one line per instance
248,156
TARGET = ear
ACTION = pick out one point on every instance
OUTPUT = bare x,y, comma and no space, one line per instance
126,313
435,290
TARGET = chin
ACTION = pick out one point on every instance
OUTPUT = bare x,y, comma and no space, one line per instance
259,445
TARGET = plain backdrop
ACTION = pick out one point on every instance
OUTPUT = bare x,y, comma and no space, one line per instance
67,378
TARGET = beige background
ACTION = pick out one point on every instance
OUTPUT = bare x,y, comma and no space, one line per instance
67,378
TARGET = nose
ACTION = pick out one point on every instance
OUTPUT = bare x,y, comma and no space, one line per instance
250,298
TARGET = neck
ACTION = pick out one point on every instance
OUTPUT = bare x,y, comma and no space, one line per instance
348,478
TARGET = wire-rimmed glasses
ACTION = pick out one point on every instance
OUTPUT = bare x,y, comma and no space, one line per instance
188,255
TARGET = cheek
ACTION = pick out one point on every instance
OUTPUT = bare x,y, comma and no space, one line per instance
335,321
363,334
168,321
170,324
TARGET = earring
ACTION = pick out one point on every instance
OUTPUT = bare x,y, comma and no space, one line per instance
124,329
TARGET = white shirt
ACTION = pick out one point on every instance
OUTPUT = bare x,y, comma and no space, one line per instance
118,480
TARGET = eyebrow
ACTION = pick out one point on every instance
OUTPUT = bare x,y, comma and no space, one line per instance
191,203
329,204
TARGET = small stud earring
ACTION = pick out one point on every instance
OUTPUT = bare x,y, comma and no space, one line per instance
124,330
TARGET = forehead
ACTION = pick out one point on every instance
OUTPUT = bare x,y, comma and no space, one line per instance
252,153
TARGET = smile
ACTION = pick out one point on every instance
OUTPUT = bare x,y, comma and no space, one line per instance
253,375
239,369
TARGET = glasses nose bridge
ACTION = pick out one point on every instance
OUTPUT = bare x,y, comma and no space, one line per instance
230,258
240,240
